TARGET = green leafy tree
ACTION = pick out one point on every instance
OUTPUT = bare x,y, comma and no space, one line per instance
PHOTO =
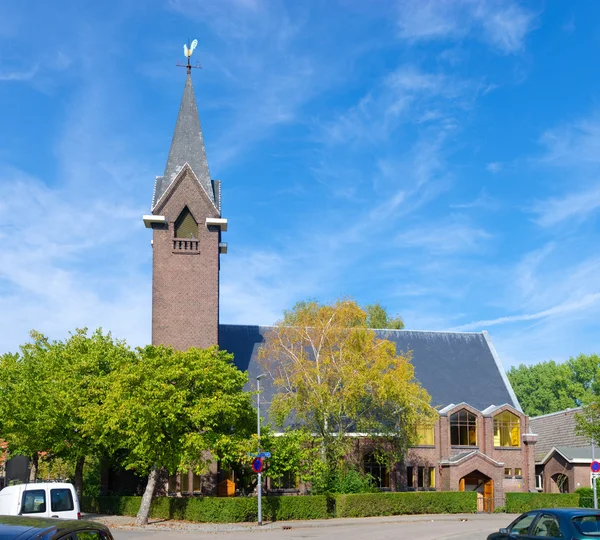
335,377
377,317
549,387
47,388
168,409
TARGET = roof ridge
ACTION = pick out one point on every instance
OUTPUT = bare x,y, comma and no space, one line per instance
376,329
555,413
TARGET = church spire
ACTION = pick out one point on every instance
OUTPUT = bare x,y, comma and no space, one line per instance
187,145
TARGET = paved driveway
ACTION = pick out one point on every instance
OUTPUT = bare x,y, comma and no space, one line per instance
468,527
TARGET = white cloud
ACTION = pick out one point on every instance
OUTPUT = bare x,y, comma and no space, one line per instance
445,238
406,95
494,167
572,207
504,25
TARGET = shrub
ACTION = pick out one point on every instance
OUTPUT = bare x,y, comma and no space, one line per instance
214,509
393,504
586,497
517,503
352,481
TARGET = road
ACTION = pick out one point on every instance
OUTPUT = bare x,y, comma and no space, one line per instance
475,527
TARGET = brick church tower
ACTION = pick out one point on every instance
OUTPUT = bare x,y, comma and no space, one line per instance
186,225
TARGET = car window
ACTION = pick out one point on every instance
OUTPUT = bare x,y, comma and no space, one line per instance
547,527
89,535
521,526
34,501
61,500
588,524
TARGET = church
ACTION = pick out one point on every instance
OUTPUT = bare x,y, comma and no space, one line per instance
481,440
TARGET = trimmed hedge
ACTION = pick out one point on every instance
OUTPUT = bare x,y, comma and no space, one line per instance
517,503
394,504
214,509
586,497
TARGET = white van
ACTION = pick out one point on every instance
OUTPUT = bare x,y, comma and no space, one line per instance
56,500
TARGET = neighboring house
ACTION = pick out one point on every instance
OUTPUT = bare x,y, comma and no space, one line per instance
481,440
562,458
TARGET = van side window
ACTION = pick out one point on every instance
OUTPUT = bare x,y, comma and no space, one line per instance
61,500
34,501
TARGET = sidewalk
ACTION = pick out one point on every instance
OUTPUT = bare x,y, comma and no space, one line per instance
127,522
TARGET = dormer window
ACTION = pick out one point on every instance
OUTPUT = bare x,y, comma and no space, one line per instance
463,429
507,430
185,225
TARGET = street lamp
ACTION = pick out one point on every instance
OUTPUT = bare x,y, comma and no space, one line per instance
258,433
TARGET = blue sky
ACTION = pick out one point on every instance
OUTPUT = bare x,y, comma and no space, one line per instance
440,157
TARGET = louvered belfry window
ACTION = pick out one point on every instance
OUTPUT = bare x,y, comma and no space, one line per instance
185,225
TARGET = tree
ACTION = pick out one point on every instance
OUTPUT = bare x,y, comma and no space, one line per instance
47,387
549,387
168,408
335,378
377,317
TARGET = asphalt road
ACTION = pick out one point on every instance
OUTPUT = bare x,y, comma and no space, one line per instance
474,528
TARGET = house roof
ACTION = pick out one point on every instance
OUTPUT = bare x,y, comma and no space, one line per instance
574,454
556,430
187,146
454,367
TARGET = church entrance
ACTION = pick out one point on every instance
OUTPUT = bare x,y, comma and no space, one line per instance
483,485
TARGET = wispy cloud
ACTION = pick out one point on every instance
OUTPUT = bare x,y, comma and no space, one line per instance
560,309
482,201
408,94
445,238
504,25
26,75
572,207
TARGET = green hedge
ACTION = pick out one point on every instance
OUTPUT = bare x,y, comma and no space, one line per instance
516,503
586,497
394,504
214,509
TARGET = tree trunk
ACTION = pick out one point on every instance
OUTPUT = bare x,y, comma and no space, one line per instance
142,516
33,469
79,477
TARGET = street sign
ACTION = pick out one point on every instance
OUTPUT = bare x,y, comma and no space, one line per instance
257,465
595,466
260,454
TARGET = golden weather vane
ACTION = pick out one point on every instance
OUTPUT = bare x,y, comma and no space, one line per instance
188,49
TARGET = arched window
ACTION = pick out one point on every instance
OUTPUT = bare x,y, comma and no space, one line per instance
185,225
463,429
507,429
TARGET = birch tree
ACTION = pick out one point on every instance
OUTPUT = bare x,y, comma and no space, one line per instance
336,378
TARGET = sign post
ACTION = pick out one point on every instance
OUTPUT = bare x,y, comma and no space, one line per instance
257,464
595,467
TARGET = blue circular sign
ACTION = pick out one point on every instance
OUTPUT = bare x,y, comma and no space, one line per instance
595,466
257,465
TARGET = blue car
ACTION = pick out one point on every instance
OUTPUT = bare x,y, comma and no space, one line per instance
553,523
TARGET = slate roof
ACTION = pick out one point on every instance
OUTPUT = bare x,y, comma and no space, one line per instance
454,367
187,146
556,429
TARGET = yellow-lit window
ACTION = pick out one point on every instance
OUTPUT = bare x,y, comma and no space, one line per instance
431,477
518,472
507,429
507,472
425,435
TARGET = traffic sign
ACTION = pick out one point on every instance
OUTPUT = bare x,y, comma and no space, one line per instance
595,466
260,454
257,465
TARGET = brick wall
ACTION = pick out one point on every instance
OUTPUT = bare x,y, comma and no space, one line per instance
185,283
